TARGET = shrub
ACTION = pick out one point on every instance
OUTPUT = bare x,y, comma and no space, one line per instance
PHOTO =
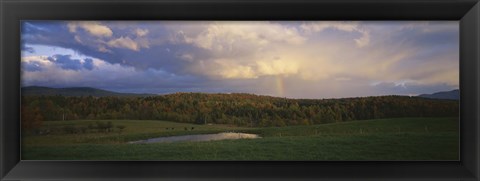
104,127
121,127
90,126
83,129
109,126
70,129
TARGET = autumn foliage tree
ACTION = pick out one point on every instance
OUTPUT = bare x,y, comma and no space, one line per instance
31,118
237,109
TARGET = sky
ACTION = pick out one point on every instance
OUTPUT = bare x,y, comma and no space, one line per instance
294,59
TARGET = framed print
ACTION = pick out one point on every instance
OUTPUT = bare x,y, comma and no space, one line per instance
239,90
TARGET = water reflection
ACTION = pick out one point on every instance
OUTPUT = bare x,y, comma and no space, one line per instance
198,137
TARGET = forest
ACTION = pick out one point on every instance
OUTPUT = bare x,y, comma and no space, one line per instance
236,109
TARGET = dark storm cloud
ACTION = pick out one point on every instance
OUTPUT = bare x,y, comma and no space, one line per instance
31,66
110,49
68,63
88,64
56,33
27,48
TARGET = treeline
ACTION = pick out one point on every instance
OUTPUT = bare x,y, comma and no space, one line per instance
238,109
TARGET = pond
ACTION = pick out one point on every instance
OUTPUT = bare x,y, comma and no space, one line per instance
198,137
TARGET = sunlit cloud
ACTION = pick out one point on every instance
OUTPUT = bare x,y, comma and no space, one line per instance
124,42
237,38
141,32
315,27
93,28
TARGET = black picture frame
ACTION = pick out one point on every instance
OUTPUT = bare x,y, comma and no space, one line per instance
13,11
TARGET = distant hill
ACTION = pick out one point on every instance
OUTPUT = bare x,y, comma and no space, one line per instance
453,95
75,91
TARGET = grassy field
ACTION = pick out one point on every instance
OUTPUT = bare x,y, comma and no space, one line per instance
382,139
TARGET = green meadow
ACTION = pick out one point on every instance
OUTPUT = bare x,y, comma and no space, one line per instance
378,139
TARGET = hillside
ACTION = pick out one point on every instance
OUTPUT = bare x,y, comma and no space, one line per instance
235,109
453,95
74,91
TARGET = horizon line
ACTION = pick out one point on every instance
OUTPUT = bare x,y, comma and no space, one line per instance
180,92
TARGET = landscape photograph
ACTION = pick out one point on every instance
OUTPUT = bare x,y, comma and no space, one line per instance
240,90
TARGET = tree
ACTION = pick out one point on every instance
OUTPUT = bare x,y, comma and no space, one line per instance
239,109
31,118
